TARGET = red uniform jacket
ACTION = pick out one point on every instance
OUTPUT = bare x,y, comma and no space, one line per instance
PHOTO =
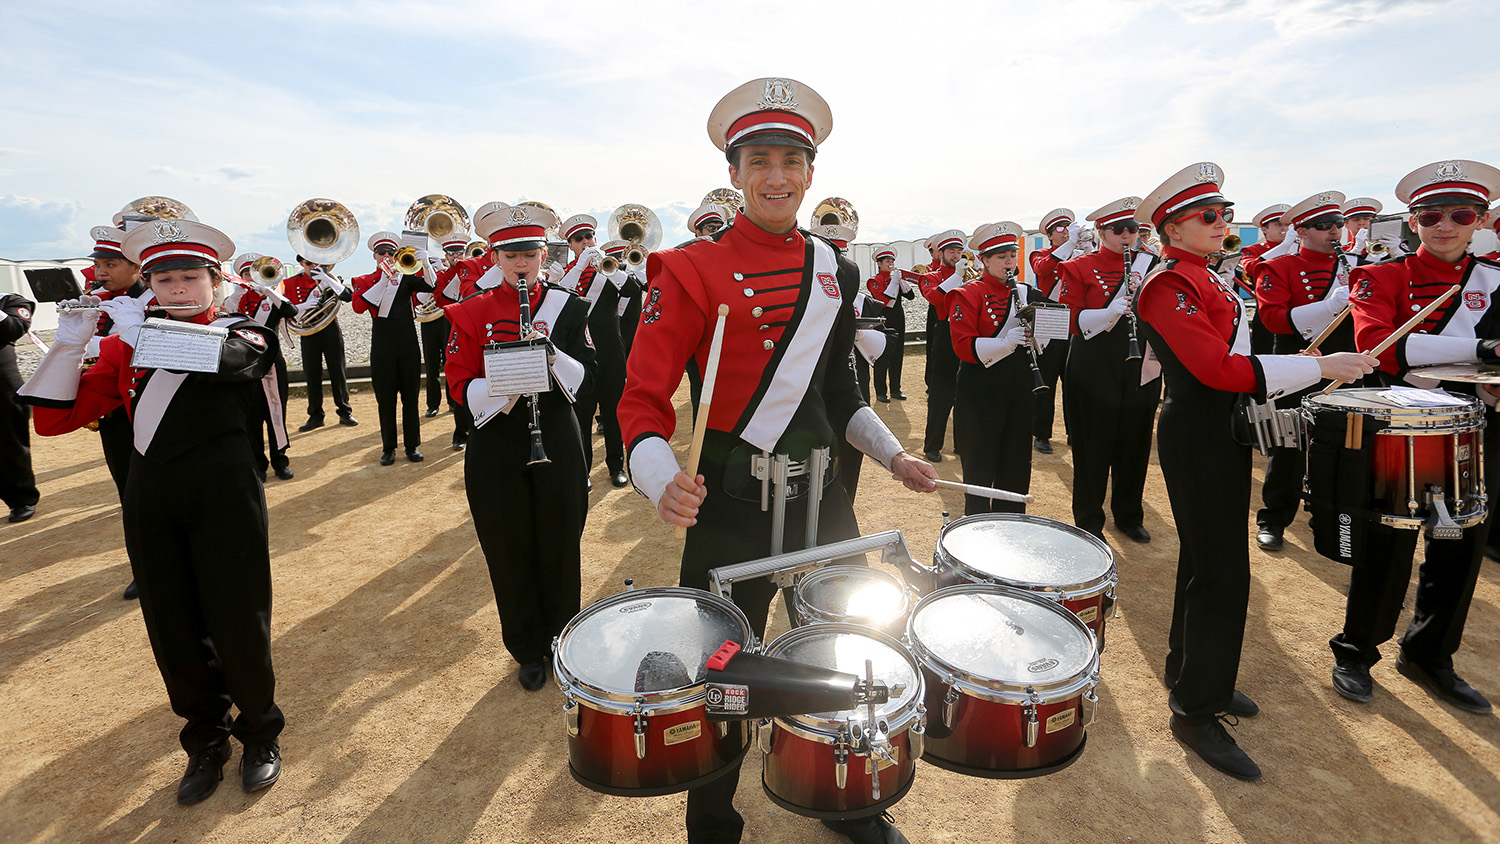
298,287
1048,271
1291,281
467,271
494,316
1250,260
1197,316
877,286
930,286
1089,282
978,309
1386,295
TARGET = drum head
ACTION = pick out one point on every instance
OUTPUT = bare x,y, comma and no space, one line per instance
845,647
649,640
1002,635
1025,550
857,594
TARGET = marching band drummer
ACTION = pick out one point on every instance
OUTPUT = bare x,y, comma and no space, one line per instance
994,401
1062,236
529,518
890,290
194,510
944,277
325,347
1195,324
387,295
783,383
1113,396
17,480
268,307
1448,202
1297,296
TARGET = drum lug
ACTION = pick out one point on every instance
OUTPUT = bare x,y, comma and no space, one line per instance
640,730
950,703
1090,707
570,715
1114,601
722,728
916,735
841,758
1033,726
762,734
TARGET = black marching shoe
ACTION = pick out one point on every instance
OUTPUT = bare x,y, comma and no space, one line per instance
414,455
205,769
1444,683
21,513
619,479
1269,537
348,421
898,395
876,829
260,765
1137,533
285,473
431,412
1216,746
1042,446
311,424
387,458
933,456
881,397
458,444
533,676
1241,706
131,592
1352,681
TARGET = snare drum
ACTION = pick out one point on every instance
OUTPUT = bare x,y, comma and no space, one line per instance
1010,680
1055,560
1416,449
852,595
821,765
632,670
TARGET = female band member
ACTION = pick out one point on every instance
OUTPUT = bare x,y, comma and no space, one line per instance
1196,325
194,510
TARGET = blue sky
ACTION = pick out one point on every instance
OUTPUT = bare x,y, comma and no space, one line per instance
946,115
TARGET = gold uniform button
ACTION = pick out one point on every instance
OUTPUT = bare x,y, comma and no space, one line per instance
768,345
757,311
132,393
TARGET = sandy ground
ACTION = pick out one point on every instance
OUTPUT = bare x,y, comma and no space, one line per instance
406,722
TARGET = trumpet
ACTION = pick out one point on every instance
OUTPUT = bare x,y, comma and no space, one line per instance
266,268
635,254
406,261
973,271
608,264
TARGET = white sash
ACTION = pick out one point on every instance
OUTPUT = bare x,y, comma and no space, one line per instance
1479,288
161,387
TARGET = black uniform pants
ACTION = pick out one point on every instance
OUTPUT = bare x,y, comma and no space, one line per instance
17,480
888,365
993,410
1054,364
197,532
1112,418
396,372
117,439
325,346
274,416
434,351
530,522
942,380
605,398
731,531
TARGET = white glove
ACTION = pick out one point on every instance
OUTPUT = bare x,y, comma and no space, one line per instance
589,255
1288,246
1361,238
76,327
1340,295
1119,305
129,313
1074,230
960,267
991,350
422,256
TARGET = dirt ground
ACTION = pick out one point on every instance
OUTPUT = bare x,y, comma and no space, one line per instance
405,722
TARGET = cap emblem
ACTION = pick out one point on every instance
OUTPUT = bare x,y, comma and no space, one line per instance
1448,171
1325,198
166,231
518,216
778,95
1128,204
1207,173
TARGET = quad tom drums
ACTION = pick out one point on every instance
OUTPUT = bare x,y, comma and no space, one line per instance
632,670
1010,679
1056,561
840,765
853,595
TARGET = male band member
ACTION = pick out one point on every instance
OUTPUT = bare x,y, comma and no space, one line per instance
1449,202
1272,235
706,220
603,295
1298,295
529,518
995,376
1062,233
783,383
1147,241
435,333
395,352
17,480
577,278
266,306
1197,328
325,347
1113,394
942,363
891,290
1358,213
869,345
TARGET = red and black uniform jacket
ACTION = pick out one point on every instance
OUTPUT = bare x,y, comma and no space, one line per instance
1047,269
930,285
1386,295
466,272
1288,282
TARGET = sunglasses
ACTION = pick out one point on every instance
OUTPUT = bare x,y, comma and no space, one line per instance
579,238
1325,225
386,252
1209,216
1121,228
1460,217
1060,227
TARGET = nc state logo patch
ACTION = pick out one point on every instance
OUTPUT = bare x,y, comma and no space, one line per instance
251,337
652,312
541,325
1475,300
830,285
23,313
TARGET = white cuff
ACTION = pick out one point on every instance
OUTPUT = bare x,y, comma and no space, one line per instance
653,466
56,377
376,292
1309,319
92,349
130,335
1288,373
870,435
954,282
991,350
1426,349
484,406
454,291
870,343
1065,251
1097,321
618,278
569,374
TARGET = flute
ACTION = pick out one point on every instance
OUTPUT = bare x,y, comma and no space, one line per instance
67,308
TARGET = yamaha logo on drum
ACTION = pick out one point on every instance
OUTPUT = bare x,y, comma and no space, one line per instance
636,607
1042,665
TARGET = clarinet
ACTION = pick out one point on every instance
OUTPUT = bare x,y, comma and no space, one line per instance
1038,383
1134,351
538,455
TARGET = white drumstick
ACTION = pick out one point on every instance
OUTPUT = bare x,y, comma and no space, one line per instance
706,397
987,492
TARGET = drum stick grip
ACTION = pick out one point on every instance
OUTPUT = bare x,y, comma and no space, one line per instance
988,492
710,375
1404,330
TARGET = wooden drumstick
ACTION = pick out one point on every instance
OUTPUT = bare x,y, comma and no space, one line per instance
706,397
1404,330
987,492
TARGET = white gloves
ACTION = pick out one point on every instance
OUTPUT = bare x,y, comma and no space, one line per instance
1065,250
1361,238
991,350
589,255
1311,318
129,313
1340,296
1288,246
325,280
77,327
961,267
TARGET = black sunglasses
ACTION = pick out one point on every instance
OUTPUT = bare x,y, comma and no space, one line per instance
1121,228
1325,225
386,252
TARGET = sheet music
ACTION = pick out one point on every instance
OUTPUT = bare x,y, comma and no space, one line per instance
1413,397
516,370
1052,321
178,346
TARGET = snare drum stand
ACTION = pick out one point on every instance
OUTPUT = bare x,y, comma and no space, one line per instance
774,471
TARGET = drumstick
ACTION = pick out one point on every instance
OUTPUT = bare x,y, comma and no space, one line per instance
1323,335
1405,329
987,492
710,375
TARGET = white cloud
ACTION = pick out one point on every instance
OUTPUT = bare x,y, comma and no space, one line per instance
37,228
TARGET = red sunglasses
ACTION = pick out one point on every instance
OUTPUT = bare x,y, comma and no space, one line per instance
1460,217
1209,216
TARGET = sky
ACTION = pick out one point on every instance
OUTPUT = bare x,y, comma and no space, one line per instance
946,115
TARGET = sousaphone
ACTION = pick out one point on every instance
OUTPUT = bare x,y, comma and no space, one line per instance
835,211
154,208
325,232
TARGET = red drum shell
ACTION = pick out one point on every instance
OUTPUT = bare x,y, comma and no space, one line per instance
800,775
988,738
603,752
